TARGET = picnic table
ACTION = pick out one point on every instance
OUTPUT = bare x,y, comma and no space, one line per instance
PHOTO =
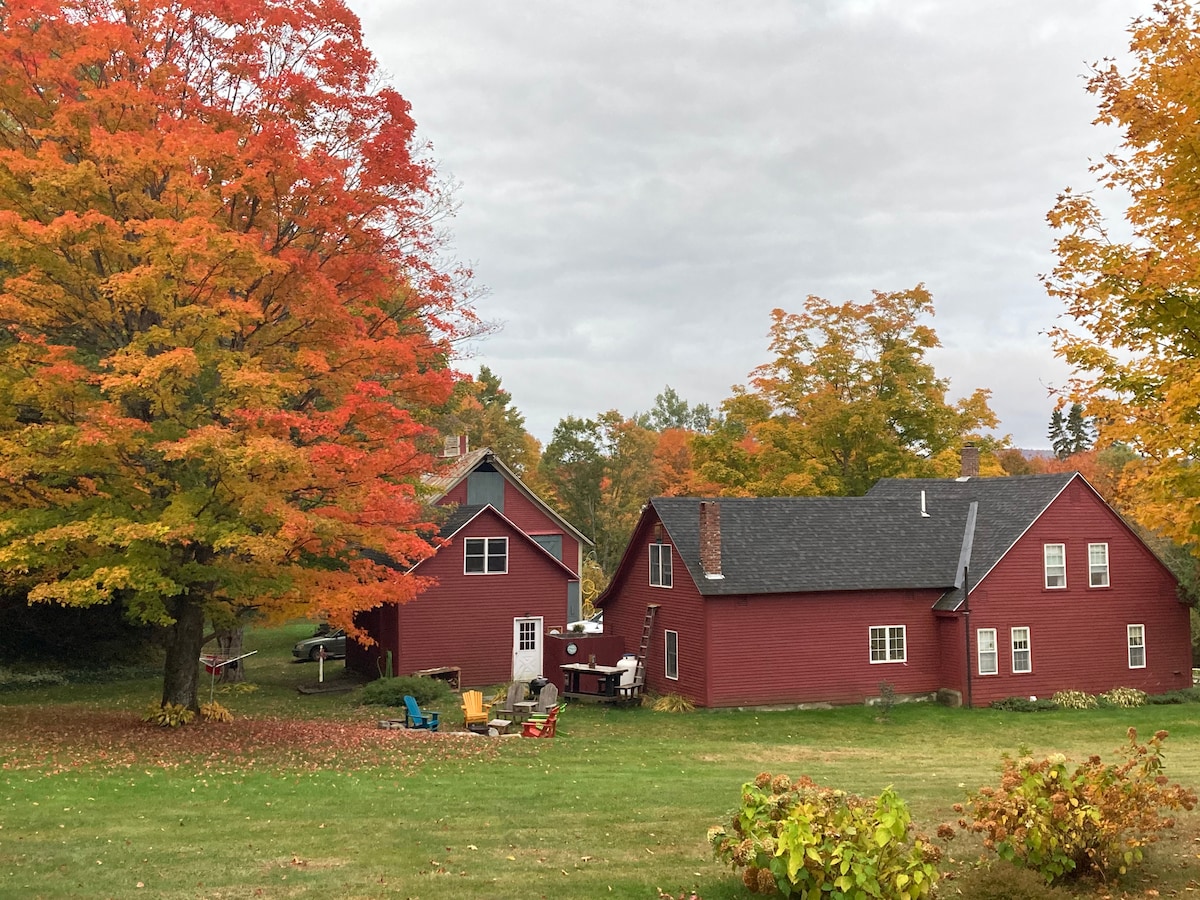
587,682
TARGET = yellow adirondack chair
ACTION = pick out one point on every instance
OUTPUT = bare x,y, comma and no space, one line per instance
474,709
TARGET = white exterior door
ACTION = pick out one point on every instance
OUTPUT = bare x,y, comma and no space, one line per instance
527,649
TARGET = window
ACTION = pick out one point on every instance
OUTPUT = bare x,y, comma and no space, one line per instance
888,644
1136,636
1098,565
485,556
672,655
989,657
660,565
1055,556
1022,660
527,635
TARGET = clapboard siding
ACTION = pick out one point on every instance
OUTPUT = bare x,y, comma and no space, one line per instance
1078,633
792,648
467,621
527,516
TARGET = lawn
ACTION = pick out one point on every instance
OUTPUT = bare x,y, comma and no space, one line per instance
303,794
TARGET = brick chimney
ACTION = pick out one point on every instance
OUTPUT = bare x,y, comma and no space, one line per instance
970,461
710,538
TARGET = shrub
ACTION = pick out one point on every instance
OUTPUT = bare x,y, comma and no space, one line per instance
1170,697
168,715
215,712
10,680
1023,704
1124,697
1074,700
803,839
673,703
1062,820
887,699
391,691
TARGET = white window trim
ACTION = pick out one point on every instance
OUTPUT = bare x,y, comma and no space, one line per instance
667,635
1028,648
1130,646
887,638
995,651
1091,570
1046,568
669,568
487,546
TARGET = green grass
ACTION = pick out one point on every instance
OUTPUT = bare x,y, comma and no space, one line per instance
616,806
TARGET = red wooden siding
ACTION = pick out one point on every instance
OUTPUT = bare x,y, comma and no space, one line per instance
1078,633
793,648
467,620
680,610
528,516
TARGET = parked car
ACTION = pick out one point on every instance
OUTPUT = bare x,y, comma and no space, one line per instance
593,624
334,644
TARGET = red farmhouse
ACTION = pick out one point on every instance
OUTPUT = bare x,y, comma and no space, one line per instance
508,572
986,588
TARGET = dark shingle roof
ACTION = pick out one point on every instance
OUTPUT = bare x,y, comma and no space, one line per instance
880,541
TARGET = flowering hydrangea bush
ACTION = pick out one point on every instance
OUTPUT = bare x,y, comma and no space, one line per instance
805,840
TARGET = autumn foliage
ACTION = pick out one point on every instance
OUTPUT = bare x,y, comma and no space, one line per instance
1130,291
222,313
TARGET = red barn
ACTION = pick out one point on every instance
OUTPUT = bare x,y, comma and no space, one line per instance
1034,580
508,572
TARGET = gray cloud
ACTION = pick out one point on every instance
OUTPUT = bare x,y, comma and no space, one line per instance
643,183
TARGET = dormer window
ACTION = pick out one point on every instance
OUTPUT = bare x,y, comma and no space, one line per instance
660,565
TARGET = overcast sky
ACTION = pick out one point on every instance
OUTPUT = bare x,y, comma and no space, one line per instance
643,182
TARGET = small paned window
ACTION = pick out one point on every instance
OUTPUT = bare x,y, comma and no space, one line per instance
888,644
485,556
1022,652
527,635
1055,556
672,655
989,655
1098,565
1136,636
660,565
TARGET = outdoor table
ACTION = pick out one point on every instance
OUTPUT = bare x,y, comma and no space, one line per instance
607,679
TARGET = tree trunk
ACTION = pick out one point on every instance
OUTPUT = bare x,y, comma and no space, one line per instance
181,673
229,645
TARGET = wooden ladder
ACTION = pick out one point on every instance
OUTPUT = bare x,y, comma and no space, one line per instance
647,629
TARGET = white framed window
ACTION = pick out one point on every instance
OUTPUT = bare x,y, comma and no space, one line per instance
989,653
672,655
485,556
1098,565
888,644
1135,635
1022,651
660,565
1055,558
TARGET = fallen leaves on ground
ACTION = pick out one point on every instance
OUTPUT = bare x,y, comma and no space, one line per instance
59,739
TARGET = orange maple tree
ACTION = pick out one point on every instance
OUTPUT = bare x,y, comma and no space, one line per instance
223,315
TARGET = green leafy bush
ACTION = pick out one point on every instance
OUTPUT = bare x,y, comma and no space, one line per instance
391,691
1171,697
1023,704
168,715
1123,697
1074,700
1062,820
805,840
11,680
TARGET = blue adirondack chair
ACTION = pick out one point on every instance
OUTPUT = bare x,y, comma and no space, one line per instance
414,718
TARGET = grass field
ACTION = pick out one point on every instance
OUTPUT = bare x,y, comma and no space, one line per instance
303,795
